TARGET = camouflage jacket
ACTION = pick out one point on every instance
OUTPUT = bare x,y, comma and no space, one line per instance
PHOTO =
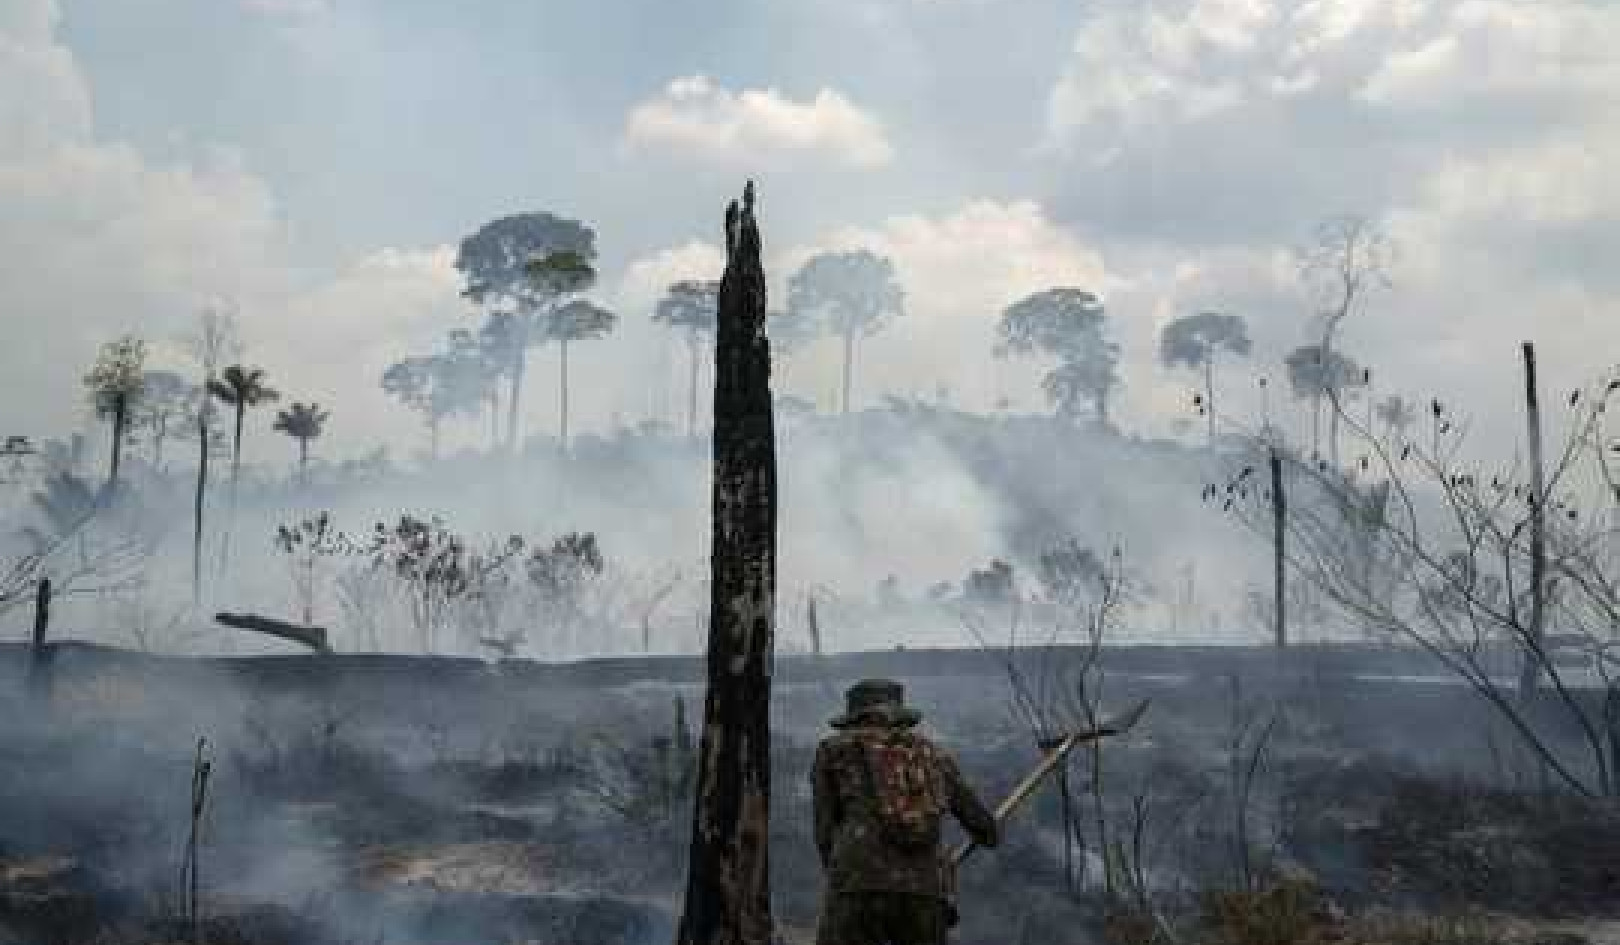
853,851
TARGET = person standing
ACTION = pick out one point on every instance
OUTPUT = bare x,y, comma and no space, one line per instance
881,790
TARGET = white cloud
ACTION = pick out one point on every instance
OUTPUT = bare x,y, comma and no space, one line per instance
1141,68
390,304
45,102
97,240
695,117
292,9
1504,53
645,279
1477,131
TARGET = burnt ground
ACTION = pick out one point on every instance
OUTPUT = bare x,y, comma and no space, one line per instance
413,800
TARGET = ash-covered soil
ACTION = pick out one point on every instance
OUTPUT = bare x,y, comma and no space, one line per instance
413,801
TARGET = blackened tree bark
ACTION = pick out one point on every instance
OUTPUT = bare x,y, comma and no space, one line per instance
1279,538
198,501
728,876
1530,668
39,656
120,415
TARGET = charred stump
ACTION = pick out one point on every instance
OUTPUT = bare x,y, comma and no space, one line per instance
728,875
39,653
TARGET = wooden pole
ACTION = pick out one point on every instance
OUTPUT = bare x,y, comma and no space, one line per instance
1530,670
728,875
1279,539
38,662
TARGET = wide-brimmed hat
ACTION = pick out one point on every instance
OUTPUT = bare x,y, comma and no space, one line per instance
876,700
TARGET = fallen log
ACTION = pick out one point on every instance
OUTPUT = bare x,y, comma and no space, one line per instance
312,637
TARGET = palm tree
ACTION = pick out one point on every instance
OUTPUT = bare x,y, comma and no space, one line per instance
241,387
302,422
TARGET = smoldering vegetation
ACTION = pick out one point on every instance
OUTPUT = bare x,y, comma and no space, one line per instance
886,515
428,800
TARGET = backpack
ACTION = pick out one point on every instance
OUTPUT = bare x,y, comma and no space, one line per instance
904,780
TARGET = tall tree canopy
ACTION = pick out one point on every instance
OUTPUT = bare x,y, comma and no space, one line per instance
166,398
1195,340
848,295
574,320
525,266
494,262
689,306
1314,373
115,383
1070,325
440,385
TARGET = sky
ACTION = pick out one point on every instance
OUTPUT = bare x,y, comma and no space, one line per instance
313,164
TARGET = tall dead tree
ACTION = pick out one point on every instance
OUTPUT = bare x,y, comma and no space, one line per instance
1279,549
199,498
1530,669
38,655
728,873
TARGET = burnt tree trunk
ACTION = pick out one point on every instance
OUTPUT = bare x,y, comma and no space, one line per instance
199,499
236,475
120,412
1279,537
1530,670
728,875
39,654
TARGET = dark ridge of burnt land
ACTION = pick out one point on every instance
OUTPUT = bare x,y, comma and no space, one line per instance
1249,662
439,799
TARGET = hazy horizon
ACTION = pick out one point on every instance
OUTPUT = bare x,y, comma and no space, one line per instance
315,163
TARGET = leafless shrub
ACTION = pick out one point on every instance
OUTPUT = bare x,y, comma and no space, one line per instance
1425,548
